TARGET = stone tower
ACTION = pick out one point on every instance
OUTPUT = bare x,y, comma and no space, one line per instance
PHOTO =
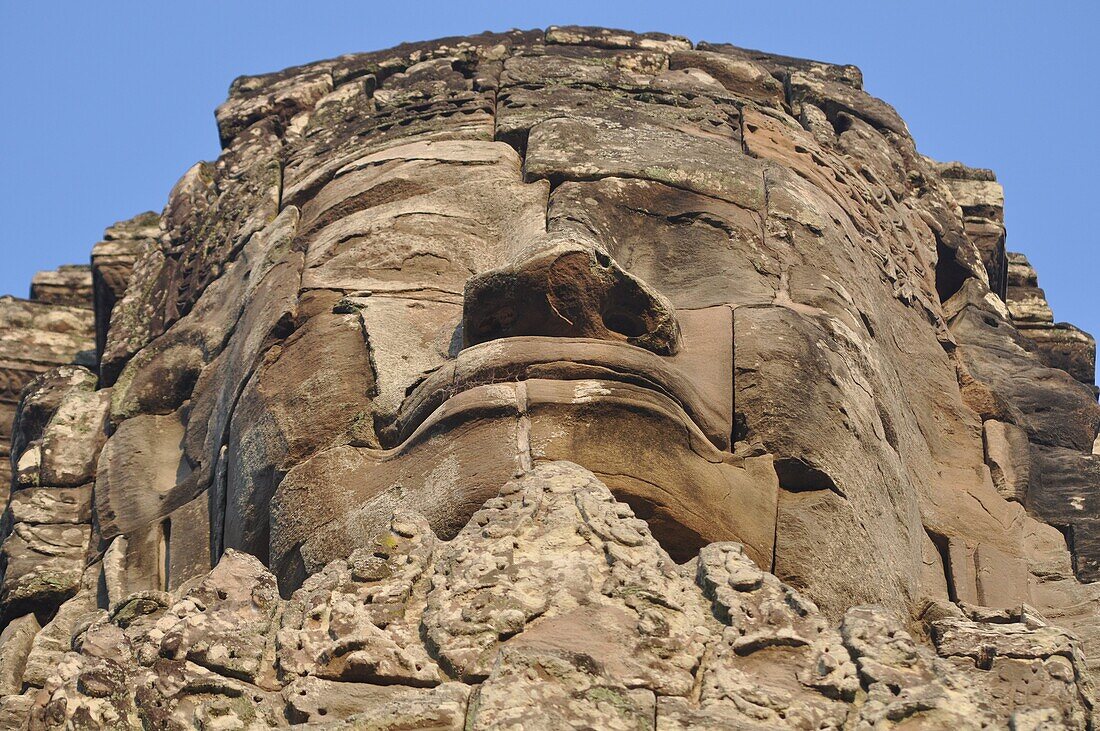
553,379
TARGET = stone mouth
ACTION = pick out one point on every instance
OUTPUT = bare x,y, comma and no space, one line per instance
519,359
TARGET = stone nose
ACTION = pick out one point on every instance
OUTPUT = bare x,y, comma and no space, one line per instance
568,288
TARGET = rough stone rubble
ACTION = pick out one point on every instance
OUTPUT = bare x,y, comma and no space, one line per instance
553,608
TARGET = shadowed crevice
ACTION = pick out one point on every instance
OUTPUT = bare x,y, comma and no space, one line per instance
795,475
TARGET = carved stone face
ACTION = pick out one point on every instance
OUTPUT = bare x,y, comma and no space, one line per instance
509,325
372,342
736,302
698,300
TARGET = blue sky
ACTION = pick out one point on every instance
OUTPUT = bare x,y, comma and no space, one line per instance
106,104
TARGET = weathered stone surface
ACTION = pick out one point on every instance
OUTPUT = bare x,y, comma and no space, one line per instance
1063,490
188,546
546,689
1067,347
324,703
647,226
139,470
779,661
35,336
40,401
741,77
73,438
15,645
69,284
377,601
113,261
553,607
211,215
324,507
1008,454
981,198
286,413
1055,409
1052,583
388,222
780,66
693,163
46,529
163,375
1059,414
1058,345
606,548
730,498
985,575
50,505
566,287
606,38
42,564
774,349
579,378
15,709
129,326
55,640
1026,302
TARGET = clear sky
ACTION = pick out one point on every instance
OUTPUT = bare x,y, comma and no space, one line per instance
106,104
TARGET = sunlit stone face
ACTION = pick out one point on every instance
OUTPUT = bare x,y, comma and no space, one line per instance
508,325
371,343
720,296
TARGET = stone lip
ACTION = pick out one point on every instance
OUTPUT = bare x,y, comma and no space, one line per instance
554,359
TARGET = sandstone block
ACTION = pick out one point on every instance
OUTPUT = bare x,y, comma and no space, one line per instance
1008,454
15,645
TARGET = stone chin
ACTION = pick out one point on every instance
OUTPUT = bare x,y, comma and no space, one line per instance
649,426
